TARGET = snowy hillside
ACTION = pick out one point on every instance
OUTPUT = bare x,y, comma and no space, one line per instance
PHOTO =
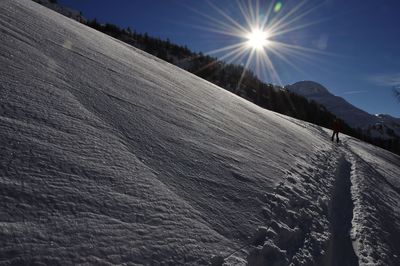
377,126
112,156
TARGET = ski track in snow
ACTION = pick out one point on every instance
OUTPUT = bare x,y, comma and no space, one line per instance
112,156
340,249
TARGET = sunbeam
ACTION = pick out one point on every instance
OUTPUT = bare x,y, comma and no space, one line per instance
257,32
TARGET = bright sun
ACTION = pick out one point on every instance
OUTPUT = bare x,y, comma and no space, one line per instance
258,39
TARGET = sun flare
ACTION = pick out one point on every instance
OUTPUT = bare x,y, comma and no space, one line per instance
258,39
262,36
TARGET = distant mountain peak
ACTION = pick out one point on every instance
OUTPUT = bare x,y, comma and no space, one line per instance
307,87
352,115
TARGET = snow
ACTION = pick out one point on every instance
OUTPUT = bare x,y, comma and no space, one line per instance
376,193
112,156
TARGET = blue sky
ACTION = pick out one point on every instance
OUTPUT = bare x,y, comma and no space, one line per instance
352,47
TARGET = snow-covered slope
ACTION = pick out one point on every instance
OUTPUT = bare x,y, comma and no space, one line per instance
377,126
112,156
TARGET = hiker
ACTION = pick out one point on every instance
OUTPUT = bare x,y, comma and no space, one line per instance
336,129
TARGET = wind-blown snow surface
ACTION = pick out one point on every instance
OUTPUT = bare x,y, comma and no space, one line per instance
109,156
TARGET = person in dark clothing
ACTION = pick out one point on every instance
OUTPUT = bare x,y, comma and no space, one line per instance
336,130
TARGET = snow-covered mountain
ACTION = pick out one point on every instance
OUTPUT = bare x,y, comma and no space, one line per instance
375,125
112,156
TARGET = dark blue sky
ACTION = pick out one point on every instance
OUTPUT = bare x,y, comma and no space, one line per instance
358,42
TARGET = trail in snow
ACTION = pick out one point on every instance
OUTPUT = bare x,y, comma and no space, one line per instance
297,214
341,250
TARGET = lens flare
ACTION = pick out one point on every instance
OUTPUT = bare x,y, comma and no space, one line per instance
277,7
